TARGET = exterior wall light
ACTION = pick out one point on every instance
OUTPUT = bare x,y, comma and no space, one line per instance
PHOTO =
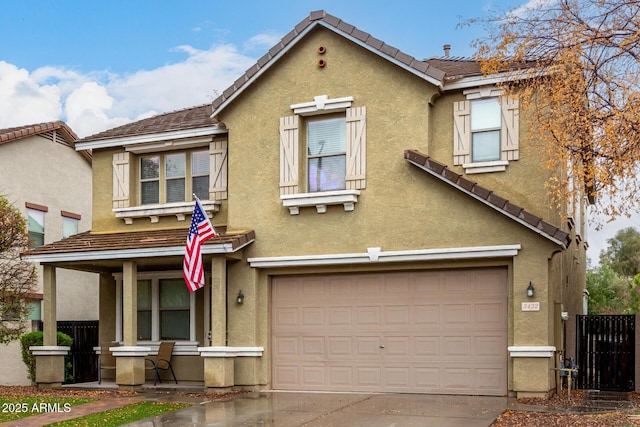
530,290
240,297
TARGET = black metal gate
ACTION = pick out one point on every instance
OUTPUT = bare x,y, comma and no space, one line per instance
84,361
606,352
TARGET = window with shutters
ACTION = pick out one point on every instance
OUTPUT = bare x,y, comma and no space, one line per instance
485,131
331,134
163,184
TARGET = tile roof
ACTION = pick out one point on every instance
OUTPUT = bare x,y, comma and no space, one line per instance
152,239
322,18
488,197
45,130
436,70
185,119
15,133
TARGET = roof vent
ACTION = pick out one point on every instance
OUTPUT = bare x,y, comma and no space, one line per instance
447,50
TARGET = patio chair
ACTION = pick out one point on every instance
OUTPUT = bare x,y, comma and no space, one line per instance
106,359
162,361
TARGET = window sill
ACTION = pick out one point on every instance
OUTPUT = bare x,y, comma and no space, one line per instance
484,167
347,198
154,212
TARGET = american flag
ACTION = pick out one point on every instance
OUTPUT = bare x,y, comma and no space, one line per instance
200,231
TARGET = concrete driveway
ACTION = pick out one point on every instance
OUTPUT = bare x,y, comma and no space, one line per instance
293,409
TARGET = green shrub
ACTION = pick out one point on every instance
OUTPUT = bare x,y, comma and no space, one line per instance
36,338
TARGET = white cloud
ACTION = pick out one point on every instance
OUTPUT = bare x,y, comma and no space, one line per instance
23,100
262,42
94,102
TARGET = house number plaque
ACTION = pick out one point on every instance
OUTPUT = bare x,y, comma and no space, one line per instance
530,306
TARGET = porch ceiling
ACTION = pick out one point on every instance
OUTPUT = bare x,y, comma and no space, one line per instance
152,249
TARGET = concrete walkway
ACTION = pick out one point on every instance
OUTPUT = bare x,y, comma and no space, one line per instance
294,409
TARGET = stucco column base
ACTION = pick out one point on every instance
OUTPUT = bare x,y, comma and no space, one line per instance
130,366
531,378
219,372
49,365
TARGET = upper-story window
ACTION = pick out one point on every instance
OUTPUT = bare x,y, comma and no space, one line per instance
36,214
70,224
153,181
164,177
332,135
486,131
326,154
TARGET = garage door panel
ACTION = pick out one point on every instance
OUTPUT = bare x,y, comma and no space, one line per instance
423,332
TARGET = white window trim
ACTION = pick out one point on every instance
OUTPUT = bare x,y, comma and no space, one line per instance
155,308
483,167
155,211
347,198
482,92
322,104
475,93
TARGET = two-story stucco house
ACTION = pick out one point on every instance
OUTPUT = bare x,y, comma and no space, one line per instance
44,176
381,219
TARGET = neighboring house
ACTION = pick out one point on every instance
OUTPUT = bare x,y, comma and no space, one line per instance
44,176
380,220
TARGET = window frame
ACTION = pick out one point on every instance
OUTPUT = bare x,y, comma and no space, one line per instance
509,131
293,173
163,177
155,278
32,212
305,168
495,144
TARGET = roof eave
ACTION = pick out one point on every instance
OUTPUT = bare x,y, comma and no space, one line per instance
563,244
151,137
153,252
493,79
291,43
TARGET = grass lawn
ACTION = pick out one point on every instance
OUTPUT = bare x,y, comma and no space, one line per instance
120,416
14,407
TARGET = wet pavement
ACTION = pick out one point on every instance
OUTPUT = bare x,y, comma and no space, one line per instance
293,409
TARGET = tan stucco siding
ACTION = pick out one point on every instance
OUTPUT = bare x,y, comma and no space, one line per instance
104,219
522,183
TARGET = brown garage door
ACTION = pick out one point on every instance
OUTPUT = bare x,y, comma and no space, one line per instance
413,332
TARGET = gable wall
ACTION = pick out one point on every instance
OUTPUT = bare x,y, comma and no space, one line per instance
37,170
401,207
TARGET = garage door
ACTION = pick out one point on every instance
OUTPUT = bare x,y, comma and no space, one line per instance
439,332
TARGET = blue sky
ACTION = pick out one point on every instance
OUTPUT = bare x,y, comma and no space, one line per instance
127,36
100,64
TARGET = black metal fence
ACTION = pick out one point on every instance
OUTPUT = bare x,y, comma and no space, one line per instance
606,352
84,360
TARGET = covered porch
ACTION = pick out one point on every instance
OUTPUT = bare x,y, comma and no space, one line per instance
144,301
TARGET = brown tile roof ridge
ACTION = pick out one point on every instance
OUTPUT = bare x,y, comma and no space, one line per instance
19,132
183,119
336,24
465,185
158,238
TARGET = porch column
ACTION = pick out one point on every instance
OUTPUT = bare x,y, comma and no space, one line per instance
219,301
218,366
49,306
130,358
49,357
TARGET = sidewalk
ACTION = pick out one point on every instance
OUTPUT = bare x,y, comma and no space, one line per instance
101,405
